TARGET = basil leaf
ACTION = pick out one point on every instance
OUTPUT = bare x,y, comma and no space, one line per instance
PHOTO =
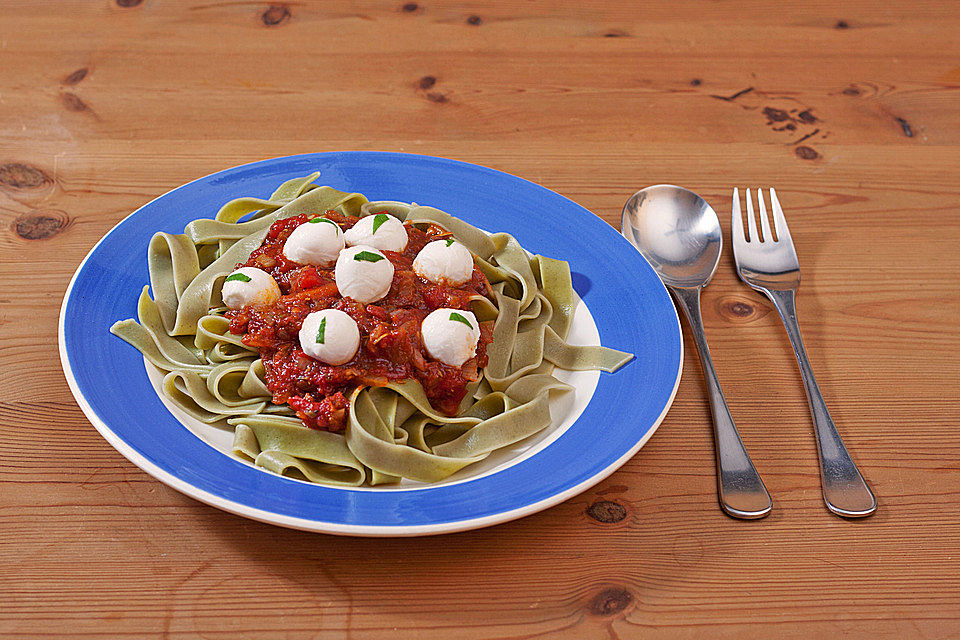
449,241
378,220
238,276
321,330
322,219
367,256
456,317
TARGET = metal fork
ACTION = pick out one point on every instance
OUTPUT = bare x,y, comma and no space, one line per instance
771,267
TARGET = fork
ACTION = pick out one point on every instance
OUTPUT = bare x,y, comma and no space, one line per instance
771,267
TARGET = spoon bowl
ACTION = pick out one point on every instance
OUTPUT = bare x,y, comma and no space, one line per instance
676,231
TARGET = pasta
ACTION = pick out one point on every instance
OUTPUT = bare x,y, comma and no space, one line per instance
392,431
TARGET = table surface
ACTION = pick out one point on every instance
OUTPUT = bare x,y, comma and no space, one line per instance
852,112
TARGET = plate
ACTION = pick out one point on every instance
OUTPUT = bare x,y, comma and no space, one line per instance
625,304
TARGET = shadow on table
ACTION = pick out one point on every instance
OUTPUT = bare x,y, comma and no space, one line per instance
580,566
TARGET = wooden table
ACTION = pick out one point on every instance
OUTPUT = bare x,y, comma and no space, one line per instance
852,112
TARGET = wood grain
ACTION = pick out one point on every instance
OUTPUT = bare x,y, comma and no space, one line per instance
850,110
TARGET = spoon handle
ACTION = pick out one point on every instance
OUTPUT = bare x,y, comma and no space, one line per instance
740,489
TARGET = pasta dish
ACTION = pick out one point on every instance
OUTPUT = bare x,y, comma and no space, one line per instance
350,342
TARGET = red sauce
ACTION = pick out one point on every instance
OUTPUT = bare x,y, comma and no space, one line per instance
390,345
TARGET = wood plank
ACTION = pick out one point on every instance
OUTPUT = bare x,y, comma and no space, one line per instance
850,110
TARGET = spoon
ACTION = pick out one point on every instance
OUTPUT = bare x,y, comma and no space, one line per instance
679,235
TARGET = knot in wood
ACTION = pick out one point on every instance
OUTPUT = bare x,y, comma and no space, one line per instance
76,76
427,81
741,309
775,115
610,601
410,7
475,20
607,511
275,14
22,176
806,153
738,310
73,102
436,96
851,91
126,4
40,224
696,82
905,127
842,24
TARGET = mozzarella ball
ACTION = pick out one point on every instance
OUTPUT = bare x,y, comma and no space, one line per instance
363,273
444,262
317,241
330,336
450,336
381,231
249,285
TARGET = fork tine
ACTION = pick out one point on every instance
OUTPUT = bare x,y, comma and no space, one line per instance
780,222
764,221
751,220
738,236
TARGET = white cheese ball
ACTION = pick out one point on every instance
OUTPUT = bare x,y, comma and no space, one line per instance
450,336
381,231
445,262
330,336
249,285
363,273
317,241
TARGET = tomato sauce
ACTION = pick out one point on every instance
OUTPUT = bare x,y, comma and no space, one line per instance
390,350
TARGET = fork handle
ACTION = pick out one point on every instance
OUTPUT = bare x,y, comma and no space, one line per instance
844,489
739,487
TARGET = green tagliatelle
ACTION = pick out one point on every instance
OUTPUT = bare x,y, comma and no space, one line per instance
392,431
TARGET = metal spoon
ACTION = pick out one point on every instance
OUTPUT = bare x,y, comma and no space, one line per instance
679,235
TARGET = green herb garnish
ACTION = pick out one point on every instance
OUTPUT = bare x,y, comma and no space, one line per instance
367,256
378,220
322,219
456,317
238,276
449,241
321,330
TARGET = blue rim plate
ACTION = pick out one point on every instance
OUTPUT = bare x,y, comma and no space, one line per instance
629,304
